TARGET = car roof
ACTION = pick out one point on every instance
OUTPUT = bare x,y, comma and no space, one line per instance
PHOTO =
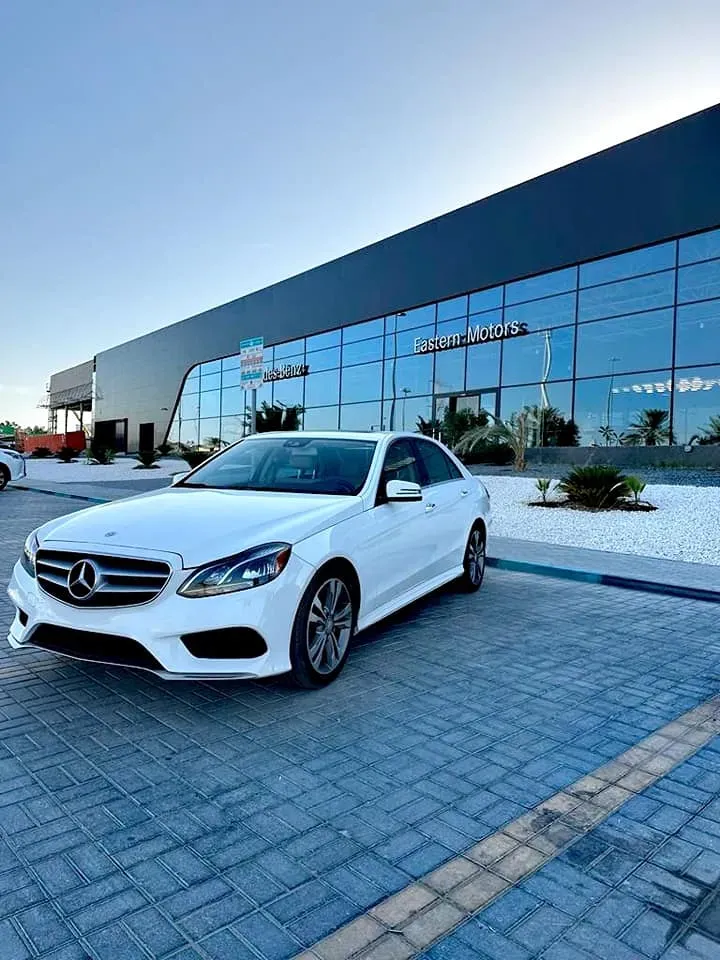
335,434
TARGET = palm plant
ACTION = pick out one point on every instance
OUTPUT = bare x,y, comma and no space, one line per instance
512,432
635,486
608,434
148,458
272,416
543,484
650,428
595,487
66,454
710,433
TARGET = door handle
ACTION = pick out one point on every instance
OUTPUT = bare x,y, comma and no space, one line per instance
429,507
464,493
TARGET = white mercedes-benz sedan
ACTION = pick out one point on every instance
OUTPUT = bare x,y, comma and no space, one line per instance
12,467
265,559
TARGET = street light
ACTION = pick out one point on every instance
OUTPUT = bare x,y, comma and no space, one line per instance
405,392
394,364
612,361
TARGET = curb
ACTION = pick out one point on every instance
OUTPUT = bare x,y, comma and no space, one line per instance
606,579
56,493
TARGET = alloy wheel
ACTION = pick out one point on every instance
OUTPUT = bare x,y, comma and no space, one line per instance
329,625
475,559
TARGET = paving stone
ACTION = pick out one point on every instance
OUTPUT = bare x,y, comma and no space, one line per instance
432,923
478,891
398,909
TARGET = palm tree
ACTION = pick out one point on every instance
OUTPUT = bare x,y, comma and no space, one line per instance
271,417
650,428
513,432
710,433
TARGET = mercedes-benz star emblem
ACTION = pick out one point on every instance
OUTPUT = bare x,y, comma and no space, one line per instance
83,580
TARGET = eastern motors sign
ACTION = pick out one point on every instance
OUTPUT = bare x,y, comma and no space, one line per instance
476,334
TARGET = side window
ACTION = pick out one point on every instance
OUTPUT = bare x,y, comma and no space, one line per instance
437,467
400,464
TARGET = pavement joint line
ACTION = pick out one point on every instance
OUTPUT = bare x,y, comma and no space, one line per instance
408,922
58,493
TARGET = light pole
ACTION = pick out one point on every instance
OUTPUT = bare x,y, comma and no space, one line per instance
405,392
394,365
612,361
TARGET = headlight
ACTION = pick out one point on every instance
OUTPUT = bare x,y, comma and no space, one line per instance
27,557
252,568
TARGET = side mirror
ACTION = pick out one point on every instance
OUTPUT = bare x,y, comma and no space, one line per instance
402,491
177,477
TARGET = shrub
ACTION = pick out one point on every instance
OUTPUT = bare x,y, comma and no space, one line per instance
598,488
543,484
147,458
41,453
635,486
103,455
193,458
66,454
512,433
494,454
165,448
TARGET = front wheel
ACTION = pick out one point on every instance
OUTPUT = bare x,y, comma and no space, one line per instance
474,561
323,628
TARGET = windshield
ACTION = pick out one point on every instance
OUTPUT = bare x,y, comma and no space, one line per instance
294,465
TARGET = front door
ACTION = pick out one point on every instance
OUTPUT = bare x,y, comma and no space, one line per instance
147,436
474,402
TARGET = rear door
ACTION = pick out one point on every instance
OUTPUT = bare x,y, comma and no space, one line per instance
447,509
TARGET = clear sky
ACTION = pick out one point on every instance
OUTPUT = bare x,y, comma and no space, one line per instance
158,157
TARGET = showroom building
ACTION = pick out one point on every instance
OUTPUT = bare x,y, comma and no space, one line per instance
594,289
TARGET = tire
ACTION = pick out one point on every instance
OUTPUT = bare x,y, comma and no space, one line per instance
4,476
474,560
324,626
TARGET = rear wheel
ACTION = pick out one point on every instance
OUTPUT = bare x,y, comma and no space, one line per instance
324,625
474,560
4,476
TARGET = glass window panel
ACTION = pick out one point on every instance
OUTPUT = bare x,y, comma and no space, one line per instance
513,399
324,359
486,300
408,375
700,282
268,354
627,296
703,246
449,309
642,341
322,389
210,404
190,407
174,432
363,331
399,344
231,377
538,314
438,467
233,401
483,365
617,402
188,433
647,260
213,366
360,416
401,463
321,418
289,392
209,432
191,386
407,319
194,372
459,325
321,341
232,428
539,356
231,363
210,381
698,333
404,414
292,348
559,281
361,383
697,398
362,351
264,395
450,370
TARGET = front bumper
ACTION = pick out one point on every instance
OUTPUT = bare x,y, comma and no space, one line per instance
159,625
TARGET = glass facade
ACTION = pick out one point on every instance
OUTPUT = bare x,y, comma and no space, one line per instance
600,341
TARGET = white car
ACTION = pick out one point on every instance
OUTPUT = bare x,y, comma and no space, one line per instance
266,558
12,467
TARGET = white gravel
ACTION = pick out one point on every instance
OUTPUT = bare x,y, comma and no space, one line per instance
686,525
81,472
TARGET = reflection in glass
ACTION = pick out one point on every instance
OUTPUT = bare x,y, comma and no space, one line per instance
231,428
361,383
513,399
538,356
322,389
360,416
550,312
617,401
697,398
324,359
188,432
233,401
290,349
404,413
210,431
647,260
703,246
231,363
483,365
403,343
190,407
210,404
321,418
194,372
210,381
627,296
698,333
407,319
450,370
212,366
362,351
231,377
289,392
449,309
321,341
699,282
363,331
490,299
559,281
191,386
460,325
642,341
408,375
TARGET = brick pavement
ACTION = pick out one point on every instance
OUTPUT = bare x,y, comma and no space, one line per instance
147,819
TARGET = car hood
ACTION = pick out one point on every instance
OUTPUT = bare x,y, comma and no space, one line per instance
200,525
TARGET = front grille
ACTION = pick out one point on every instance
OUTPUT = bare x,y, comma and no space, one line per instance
97,647
115,581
